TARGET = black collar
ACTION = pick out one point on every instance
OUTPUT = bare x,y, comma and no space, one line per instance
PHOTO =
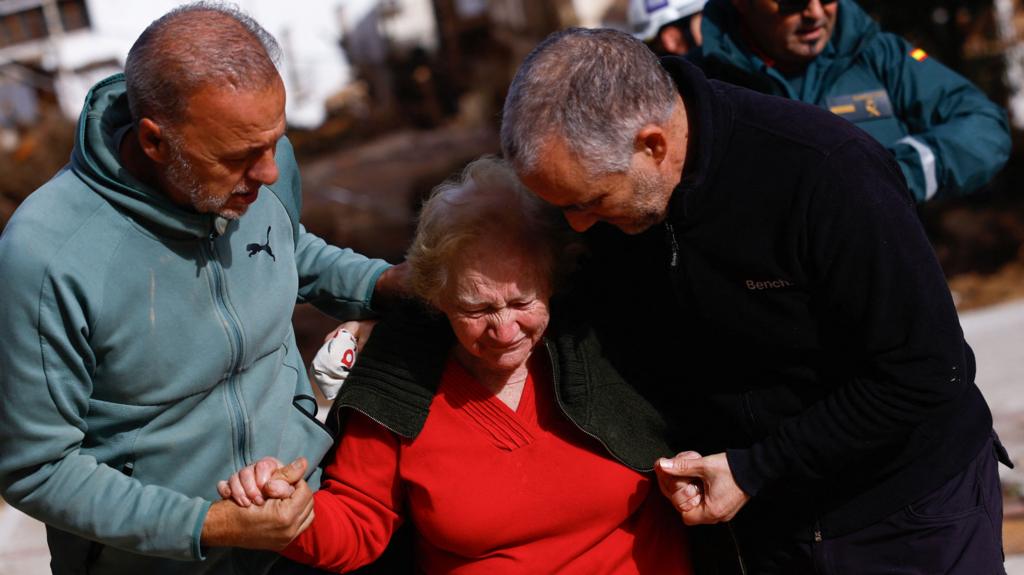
710,113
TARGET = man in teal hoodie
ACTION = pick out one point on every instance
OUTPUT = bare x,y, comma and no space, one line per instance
147,296
947,136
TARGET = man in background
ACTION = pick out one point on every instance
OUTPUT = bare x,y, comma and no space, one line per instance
948,138
667,26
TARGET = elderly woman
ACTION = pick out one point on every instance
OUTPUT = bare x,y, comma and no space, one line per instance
503,437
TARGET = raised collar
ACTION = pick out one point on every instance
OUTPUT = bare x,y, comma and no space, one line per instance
710,121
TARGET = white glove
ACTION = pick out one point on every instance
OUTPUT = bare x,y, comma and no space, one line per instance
332,363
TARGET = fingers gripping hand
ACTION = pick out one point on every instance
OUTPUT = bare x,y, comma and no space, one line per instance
255,483
335,359
721,497
360,330
685,493
294,512
272,525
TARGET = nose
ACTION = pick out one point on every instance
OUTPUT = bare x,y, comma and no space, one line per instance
814,10
580,221
264,170
504,329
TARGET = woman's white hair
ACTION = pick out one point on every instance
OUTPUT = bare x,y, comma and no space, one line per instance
485,206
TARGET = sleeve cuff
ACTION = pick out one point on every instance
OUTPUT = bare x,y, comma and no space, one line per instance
741,465
373,284
197,532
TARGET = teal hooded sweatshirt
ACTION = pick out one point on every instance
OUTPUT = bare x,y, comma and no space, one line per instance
146,356
947,136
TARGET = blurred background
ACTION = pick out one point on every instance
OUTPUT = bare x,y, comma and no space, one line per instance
386,98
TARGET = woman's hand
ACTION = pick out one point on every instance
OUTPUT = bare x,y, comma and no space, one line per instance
360,330
271,525
253,484
334,360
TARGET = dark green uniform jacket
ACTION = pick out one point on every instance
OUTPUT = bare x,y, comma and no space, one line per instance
947,136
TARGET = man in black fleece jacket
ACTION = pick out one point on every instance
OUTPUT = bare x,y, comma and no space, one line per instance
776,296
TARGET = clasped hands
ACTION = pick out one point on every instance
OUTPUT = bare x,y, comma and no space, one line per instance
265,506
702,489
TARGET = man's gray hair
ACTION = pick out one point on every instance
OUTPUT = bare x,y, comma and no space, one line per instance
595,88
192,47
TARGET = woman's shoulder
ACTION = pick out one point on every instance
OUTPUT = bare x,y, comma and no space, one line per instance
398,372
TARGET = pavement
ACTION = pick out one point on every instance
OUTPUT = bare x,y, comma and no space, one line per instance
996,333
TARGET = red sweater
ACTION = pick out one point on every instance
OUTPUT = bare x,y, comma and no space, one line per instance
491,491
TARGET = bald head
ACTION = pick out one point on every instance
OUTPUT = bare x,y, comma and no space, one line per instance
199,45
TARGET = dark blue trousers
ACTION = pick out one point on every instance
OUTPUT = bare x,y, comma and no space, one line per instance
955,530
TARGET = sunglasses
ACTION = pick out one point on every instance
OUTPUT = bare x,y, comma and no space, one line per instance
794,6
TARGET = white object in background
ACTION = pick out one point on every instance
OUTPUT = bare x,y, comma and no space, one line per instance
333,362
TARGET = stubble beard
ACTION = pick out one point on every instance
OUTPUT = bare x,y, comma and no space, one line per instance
648,206
181,174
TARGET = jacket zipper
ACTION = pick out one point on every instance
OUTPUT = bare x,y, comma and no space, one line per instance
673,244
368,416
736,547
235,333
817,551
561,406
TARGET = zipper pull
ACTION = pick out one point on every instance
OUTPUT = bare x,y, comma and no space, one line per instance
220,225
673,244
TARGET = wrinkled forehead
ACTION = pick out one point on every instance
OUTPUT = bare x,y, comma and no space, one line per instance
239,116
497,267
559,177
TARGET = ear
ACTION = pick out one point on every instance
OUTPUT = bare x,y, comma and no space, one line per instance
652,141
153,141
672,40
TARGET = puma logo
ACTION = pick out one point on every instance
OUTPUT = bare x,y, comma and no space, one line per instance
257,248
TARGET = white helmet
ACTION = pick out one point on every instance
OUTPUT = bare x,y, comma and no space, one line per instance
646,17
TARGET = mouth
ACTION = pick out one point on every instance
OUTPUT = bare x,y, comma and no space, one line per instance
811,34
510,347
248,197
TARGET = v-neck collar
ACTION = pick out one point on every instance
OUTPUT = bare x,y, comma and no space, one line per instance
507,429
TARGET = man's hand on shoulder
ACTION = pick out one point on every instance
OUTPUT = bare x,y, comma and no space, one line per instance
271,525
392,287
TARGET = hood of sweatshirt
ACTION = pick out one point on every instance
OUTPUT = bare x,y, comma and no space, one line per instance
96,160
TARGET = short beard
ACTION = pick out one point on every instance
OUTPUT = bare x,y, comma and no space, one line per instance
181,175
647,207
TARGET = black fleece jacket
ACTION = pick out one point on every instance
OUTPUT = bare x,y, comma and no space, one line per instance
790,311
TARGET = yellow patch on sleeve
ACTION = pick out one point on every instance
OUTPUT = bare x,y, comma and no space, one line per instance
843,109
918,54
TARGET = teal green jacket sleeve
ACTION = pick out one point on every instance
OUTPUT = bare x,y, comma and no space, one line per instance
958,138
338,281
46,381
